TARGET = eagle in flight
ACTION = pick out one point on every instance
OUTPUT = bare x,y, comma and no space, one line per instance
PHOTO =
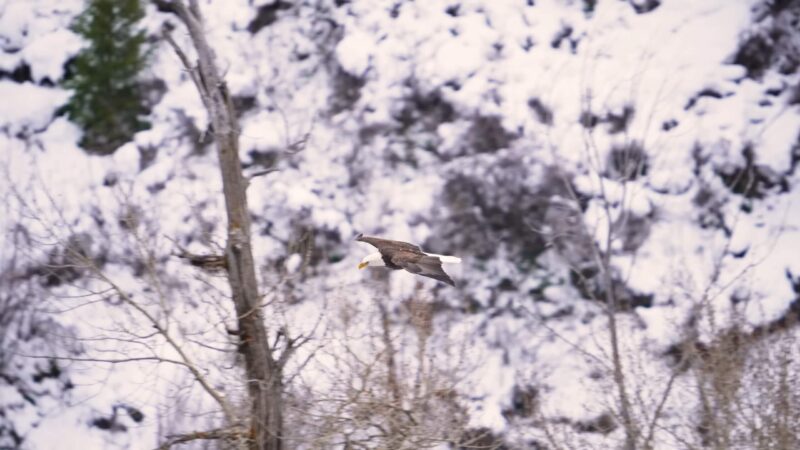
397,255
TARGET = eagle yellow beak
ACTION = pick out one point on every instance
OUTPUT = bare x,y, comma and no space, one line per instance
362,265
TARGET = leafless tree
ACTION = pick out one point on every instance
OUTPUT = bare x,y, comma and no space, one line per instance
264,367
389,378
713,375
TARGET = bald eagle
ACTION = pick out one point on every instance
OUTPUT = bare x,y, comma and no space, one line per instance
397,255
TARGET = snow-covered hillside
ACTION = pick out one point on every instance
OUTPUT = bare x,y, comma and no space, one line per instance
578,156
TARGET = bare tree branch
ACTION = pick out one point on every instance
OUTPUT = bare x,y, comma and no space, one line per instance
219,434
264,373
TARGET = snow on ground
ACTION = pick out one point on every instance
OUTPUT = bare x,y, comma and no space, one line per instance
484,58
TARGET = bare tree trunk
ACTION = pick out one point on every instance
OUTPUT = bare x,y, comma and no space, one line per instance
263,371
396,436
631,431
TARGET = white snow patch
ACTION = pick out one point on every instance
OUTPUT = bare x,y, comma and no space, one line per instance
355,51
28,107
491,385
293,263
14,23
777,138
47,54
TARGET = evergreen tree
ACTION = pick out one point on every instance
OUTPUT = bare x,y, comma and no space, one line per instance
108,101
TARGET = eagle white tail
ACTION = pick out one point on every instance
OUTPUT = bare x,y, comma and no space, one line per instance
446,259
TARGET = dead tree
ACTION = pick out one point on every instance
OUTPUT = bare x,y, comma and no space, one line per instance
263,366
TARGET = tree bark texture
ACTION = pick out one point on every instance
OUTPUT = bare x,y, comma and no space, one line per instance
264,374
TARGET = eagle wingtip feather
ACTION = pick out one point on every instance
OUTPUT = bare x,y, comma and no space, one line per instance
450,259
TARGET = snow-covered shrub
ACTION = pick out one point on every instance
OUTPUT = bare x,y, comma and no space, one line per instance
774,43
493,202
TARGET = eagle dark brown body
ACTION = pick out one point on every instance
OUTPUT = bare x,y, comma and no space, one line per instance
398,255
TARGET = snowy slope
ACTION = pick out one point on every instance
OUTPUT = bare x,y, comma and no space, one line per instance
458,125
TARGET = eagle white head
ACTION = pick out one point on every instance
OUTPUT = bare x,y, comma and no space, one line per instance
373,259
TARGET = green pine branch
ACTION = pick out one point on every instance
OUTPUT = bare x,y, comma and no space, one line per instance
108,101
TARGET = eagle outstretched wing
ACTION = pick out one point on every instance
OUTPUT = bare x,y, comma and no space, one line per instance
388,244
427,266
